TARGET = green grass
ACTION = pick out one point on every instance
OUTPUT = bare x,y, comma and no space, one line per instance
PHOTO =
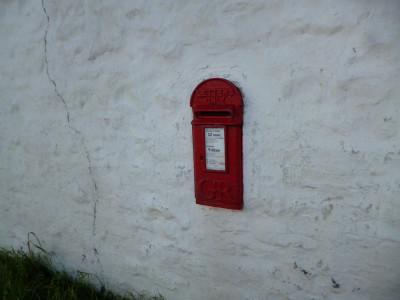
32,276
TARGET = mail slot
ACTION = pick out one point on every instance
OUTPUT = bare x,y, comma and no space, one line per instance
213,114
217,143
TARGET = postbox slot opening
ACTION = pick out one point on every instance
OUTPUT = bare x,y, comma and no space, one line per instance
214,114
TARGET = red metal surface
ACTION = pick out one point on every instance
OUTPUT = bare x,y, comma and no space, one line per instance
217,109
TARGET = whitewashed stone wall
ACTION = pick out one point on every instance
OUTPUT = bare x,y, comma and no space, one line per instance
96,147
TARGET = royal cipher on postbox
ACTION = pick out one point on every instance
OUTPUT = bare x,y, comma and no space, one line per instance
217,143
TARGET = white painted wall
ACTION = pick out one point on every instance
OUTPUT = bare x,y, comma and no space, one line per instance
96,148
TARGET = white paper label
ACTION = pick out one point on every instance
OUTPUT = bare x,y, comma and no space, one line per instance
215,148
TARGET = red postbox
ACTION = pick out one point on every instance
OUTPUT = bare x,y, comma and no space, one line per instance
217,143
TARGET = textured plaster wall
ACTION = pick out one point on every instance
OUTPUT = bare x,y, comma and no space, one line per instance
96,147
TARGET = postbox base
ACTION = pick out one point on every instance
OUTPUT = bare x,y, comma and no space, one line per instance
221,205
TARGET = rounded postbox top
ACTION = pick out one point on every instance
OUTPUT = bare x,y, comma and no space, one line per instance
217,101
216,91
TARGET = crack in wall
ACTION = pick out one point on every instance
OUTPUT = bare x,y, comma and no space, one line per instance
79,134
94,185
92,178
47,64
96,254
